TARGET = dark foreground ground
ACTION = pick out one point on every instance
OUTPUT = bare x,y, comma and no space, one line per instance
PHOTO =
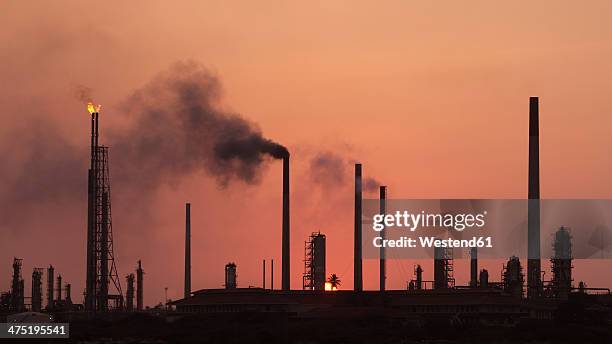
262,328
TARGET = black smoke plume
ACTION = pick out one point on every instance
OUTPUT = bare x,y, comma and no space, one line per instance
331,170
174,128
177,128
370,184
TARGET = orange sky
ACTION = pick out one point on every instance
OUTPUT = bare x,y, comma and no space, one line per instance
432,98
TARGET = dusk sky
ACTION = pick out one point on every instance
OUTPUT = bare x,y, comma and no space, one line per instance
431,97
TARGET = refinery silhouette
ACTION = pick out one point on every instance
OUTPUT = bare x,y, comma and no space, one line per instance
520,306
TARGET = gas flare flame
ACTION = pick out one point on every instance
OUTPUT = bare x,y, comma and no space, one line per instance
91,108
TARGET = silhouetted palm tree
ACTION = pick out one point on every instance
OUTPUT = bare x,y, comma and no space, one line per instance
334,281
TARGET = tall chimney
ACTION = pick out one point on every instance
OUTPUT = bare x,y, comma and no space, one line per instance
383,209
272,274
187,250
139,291
91,270
286,264
533,210
263,280
357,270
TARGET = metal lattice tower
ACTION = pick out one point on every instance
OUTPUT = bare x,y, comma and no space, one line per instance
101,266
443,268
107,269
308,277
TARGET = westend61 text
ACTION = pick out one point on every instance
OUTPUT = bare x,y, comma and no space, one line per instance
429,242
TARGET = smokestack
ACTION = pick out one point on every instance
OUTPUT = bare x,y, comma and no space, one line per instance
59,288
383,209
533,211
263,280
473,267
139,291
286,283
50,277
90,281
187,250
357,270
272,274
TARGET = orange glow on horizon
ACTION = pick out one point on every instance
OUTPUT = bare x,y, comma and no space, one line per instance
328,287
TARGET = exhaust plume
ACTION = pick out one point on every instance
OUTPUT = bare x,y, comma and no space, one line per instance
177,128
329,169
174,128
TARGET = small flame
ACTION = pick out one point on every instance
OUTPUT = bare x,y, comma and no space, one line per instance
91,108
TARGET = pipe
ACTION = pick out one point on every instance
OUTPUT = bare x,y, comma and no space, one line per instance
357,268
533,211
382,268
68,292
187,250
286,264
139,286
59,288
90,278
50,299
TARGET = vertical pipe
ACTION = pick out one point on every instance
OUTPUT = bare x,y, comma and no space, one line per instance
286,264
50,277
272,274
187,250
533,210
139,286
59,288
473,267
90,278
68,292
263,280
382,269
357,269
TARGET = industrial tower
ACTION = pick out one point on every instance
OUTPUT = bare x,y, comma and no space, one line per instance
101,267
314,262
